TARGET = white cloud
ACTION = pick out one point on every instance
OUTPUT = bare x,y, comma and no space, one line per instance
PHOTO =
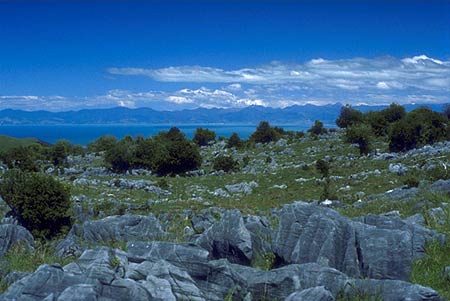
419,72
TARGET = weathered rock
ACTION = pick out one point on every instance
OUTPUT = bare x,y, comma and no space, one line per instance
318,293
159,289
364,247
228,238
11,234
440,186
398,168
183,255
121,228
79,292
244,187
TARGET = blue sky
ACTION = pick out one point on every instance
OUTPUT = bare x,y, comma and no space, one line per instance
173,55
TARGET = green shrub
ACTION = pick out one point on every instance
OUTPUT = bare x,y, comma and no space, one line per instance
22,157
323,167
40,203
120,157
317,128
225,163
176,154
265,133
348,116
103,143
203,137
234,141
361,135
420,127
380,121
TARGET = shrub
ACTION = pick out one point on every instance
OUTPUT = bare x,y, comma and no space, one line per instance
40,203
317,128
225,163
348,116
22,157
265,133
323,167
381,120
359,134
176,154
419,127
60,150
203,136
103,143
120,157
234,141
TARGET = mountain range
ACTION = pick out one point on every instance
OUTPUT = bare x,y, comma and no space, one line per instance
298,115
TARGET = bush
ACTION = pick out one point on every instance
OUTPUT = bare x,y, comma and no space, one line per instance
203,137
323,167
420,127
121,156
40,203
381,120
317,129
348,117
61,149
265,133
22,157
234,141
361,135
103,143
225,163
175,153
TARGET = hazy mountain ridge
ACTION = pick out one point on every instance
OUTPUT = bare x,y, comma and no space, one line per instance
305,114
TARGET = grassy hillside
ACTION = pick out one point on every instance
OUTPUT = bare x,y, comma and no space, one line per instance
7,142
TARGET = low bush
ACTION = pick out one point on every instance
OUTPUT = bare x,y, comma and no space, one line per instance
225,163
39,202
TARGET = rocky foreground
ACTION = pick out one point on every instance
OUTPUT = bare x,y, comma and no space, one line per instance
313,251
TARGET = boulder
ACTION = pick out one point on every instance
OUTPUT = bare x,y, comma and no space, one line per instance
11,235
228,238
398,168
318,293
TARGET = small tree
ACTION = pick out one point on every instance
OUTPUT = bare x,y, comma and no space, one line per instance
59,152
234,141
103,143
40,203
264,133
22,157
121,155
348,116
225,163
203,136
359,134
317,128
323,167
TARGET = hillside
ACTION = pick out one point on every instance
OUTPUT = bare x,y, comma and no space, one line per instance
7,143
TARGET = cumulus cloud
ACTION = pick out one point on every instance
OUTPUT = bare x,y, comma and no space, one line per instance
419,72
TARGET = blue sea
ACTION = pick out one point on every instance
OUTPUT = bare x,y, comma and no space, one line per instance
83,134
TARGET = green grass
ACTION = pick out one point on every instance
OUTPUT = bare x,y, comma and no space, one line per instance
7,143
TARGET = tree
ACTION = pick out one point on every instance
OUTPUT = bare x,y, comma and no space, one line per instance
121,155
102,144
359,134
323,167
348,116
317,128
40,203
203,136
22,157
419,127
225,163
264,133
234,141
59,151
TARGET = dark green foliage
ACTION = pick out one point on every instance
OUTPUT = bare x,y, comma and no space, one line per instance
317,128
203,136
176,154
103,143
40,203
348,116
361,135
234,141
22,157
419,127
381,120
323,167
61,149
265,133
225,163
446,111
120,156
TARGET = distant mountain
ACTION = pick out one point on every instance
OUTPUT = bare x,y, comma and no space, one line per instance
298,115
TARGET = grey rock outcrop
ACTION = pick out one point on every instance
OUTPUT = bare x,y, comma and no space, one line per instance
318,293
11,234
228,238
364,247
